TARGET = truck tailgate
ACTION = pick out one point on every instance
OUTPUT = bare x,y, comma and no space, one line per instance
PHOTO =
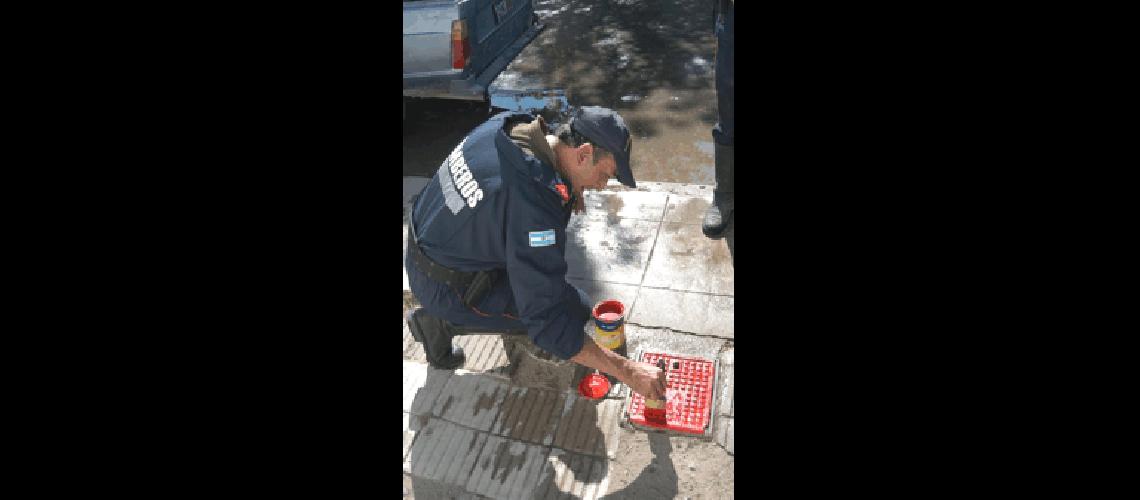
495,32
427,36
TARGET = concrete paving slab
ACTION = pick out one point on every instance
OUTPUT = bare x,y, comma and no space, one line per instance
507,469
598,291
471,400
531,370
698,313
409,436
425,396
574,476
444,453
672,188
664,340
484,353
612,206
424,489
655,465
414,375
589,426
515,345
613,252
725,435
428,489
684,259
530,414
726,404
687,209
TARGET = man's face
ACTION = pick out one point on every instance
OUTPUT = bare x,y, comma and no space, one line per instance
593,175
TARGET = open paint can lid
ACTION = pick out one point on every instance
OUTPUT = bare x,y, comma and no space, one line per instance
594,386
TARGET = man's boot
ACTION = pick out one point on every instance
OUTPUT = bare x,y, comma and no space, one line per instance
719,214
435,334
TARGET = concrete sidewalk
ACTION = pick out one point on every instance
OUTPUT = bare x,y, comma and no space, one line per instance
510,424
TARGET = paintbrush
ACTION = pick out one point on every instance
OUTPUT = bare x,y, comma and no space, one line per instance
655,408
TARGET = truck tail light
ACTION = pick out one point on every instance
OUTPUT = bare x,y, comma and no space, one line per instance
460,49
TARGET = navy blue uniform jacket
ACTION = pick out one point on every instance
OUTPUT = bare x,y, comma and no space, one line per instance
493,206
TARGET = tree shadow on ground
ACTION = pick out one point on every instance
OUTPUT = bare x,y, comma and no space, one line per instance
432,129
614,52
453,462
658,479
601,50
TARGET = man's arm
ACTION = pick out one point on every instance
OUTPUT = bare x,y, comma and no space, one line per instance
641,377
549,307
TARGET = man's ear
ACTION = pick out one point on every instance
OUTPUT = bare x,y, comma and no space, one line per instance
585,153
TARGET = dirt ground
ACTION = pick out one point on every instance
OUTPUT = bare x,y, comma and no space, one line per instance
652,465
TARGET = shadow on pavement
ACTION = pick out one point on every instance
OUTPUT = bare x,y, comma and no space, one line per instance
577,472
730,238
602,50
432,129
454,468
658,479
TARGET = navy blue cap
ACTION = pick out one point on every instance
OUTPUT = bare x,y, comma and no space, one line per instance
605,128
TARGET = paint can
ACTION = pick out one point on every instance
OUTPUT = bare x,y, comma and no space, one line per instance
609,325
594,386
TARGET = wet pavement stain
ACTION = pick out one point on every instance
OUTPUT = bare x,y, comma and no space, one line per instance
628,251
614,204
506,461
716,253
693,261
686,251
535,373
706,147
688,211
484,402
519,422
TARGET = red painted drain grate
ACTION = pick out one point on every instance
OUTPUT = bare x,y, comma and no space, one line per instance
689,393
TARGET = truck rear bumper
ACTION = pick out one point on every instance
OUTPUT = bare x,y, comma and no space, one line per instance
473,88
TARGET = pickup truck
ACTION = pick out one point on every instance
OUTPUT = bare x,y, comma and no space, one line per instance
453,49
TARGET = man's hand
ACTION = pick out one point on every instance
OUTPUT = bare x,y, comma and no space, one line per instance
644,379
641,377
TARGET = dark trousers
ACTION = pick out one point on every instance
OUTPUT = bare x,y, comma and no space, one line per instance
499,313
724,133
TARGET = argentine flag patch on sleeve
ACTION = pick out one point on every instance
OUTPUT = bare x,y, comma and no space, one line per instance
542,238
